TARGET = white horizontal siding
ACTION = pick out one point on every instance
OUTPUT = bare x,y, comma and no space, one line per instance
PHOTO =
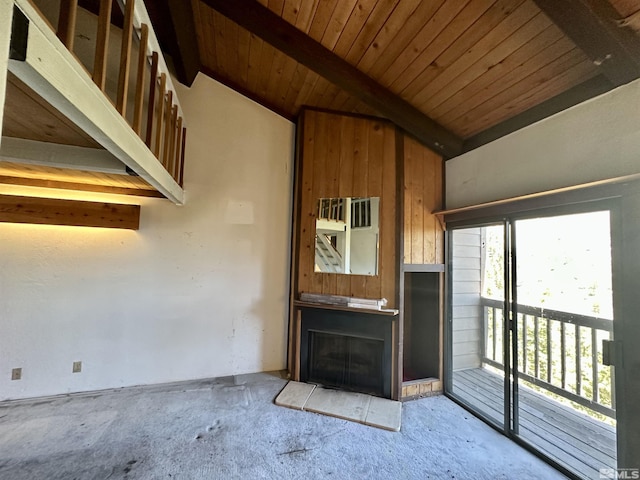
465,296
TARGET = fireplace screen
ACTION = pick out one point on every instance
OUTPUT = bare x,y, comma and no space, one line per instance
346,362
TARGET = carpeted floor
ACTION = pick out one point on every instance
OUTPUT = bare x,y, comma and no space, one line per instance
229,428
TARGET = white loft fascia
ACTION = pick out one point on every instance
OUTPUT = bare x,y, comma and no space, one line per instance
54,74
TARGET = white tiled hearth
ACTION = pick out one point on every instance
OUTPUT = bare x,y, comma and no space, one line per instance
357,407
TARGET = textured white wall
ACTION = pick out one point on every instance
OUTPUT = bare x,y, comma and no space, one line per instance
595,140
199,291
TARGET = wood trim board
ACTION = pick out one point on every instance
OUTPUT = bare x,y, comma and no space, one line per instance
52,211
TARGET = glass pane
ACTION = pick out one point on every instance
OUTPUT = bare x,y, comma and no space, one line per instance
565,403
477,317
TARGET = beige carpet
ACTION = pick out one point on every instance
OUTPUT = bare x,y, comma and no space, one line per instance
357,407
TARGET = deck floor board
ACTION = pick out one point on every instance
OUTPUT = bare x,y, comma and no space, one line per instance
583,444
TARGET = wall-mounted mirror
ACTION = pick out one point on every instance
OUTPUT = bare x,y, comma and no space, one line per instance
347,231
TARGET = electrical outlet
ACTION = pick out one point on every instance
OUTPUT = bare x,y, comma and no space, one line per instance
77,367
16,374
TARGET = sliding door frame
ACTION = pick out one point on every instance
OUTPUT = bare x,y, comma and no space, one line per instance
482,218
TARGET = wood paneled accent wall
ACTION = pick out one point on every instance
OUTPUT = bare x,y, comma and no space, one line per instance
423,178
346,156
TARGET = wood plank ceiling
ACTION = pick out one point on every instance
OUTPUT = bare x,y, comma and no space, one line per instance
468,65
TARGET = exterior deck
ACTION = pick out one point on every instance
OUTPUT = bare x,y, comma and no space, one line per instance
584,444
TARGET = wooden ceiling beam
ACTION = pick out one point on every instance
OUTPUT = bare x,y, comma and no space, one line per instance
175,27
271,28
593,26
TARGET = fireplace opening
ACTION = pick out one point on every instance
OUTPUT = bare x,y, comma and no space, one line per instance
346,362
349,350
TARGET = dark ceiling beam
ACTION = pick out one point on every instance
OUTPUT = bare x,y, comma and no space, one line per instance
174,24
593,27
578,94
271,28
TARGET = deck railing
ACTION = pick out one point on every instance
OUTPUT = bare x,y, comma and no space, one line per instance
557,351
154,102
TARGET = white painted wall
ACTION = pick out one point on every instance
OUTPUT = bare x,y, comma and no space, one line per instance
199,291
596,140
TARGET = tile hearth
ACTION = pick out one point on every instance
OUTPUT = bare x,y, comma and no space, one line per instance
357,407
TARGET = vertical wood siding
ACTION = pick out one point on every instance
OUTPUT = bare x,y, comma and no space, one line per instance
423,233
346,156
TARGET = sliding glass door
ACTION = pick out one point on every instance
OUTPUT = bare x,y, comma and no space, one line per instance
563,304
531,312
478,346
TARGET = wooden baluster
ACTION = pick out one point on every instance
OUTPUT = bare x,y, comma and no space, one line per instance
493,327
594,365
142,63
163,83
125,61
549,357
171,164
178,151
182,150
102,44
67,22
167,131
485,331
151,105
578,362
536,352
524,344
563,356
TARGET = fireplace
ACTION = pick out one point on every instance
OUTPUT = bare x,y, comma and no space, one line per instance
346,350
346,362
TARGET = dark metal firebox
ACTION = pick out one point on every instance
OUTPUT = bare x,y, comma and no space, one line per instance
346,350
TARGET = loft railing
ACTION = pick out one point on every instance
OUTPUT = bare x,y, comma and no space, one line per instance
557,351
335,209
331,209
154,100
